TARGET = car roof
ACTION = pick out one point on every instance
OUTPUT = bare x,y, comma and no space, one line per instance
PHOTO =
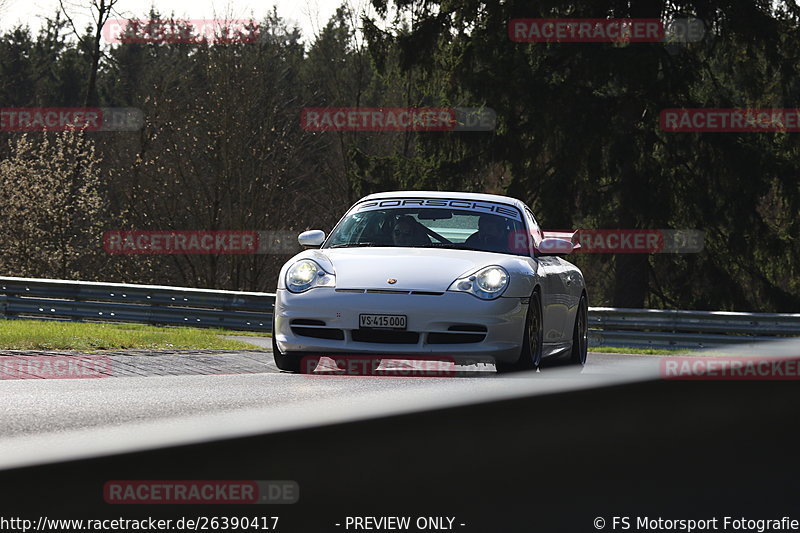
451,195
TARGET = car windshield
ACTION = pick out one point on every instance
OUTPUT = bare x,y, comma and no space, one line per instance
430,228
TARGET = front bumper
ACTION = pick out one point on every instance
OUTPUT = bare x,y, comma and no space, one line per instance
454,325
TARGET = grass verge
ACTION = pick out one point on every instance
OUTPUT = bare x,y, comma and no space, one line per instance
88,336
245,333
639,351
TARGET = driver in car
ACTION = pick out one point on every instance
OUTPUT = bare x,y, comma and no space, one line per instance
491,235
409,232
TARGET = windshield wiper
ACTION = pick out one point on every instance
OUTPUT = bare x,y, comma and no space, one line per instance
353,244
454,245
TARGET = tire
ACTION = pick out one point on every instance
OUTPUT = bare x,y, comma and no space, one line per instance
580,334
530,356
295,363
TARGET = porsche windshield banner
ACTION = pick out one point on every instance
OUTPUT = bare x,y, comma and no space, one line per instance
474,206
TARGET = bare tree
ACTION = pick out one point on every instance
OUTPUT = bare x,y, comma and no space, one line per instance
100,11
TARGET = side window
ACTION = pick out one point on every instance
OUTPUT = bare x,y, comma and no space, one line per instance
533,227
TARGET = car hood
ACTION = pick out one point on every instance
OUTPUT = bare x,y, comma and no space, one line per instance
414,268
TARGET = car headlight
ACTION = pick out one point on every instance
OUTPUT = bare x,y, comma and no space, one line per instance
306,274
487,283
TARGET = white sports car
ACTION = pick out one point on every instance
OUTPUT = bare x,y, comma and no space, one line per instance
409,275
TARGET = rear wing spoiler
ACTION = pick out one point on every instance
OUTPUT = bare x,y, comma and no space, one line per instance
567,235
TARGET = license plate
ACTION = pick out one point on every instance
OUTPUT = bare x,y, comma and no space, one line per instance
382,321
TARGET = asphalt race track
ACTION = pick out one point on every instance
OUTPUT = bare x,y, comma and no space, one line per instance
145,389
540,451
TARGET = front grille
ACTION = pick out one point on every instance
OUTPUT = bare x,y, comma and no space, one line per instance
307,322
468,327
462,334
383,336
319,333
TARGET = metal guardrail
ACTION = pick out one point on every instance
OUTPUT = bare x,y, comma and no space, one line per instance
252,311
652,328
147,304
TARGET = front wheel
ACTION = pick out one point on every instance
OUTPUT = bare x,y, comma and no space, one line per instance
531,351
295,363
580,334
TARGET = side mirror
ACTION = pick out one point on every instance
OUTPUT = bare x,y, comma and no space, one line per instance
312,238
554,246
